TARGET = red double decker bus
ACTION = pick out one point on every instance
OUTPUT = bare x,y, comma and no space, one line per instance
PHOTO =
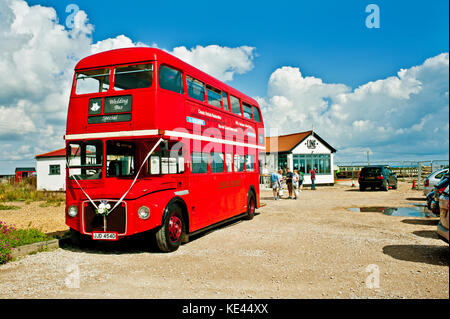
156,144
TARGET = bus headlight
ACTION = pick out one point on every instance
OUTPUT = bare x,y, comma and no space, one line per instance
72,211
144,212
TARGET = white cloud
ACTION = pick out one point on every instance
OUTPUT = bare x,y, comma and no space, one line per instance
402,113
221,62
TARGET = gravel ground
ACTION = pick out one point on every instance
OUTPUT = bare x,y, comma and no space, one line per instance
310,248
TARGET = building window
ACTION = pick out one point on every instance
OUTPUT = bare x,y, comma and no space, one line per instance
306,162
55,170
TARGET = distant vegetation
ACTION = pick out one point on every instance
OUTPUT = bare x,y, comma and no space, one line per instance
25,191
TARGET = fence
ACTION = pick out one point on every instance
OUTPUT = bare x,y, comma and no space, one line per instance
405,170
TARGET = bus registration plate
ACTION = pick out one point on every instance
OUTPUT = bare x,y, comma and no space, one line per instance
104,236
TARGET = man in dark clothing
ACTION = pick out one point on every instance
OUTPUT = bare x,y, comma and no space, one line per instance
289,176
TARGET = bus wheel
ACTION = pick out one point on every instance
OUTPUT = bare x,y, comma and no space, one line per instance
251,206
170,235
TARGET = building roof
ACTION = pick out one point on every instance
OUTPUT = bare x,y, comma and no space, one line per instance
25,169
58,153
286,143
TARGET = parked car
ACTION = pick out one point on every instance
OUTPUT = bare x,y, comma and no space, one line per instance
433,179
437,192
442,228
377,176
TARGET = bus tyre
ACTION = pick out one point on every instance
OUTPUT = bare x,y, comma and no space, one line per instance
171,233
251,206
385,187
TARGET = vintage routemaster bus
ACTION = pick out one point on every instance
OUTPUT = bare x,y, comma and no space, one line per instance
155,144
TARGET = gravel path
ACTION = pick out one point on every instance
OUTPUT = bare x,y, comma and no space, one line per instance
310,248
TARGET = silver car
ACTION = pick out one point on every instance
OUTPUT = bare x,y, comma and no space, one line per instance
442,229
433,179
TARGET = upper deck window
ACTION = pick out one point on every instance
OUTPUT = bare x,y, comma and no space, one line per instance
214,96
247,110
225,101
92,81
256,115
133,76
196,88
235,105
170,79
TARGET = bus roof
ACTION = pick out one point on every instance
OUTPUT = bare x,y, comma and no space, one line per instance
142,54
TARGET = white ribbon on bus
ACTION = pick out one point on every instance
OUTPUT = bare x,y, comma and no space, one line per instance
134,181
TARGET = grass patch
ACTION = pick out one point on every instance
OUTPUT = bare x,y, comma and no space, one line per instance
8,207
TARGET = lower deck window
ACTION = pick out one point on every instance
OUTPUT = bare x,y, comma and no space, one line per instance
85,159
199,162
120,159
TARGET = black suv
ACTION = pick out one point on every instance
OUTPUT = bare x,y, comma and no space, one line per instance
377,176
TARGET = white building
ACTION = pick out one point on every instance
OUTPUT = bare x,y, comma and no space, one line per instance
50,170
302,151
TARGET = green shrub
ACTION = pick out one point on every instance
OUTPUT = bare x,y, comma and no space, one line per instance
27,236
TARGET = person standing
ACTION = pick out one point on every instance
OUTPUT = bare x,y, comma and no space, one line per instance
295,181
289,177
301,178
313,178
274,177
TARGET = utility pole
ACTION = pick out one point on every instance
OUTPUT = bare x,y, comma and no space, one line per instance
368,161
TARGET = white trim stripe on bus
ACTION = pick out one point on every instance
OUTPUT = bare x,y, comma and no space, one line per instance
155,132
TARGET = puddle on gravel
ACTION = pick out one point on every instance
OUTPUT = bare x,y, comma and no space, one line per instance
418,210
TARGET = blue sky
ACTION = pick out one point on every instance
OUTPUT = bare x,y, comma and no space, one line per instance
328,39
382,90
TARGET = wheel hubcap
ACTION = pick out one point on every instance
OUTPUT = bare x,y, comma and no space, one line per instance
175,228
252,205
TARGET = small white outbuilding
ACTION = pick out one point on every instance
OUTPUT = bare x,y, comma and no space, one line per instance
50,171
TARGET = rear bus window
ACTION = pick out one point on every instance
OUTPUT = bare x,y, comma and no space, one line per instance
235,105
247,110
92,81
170,79
256,115
133,77
196,88
214,96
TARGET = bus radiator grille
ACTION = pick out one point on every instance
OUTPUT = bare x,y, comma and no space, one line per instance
115,221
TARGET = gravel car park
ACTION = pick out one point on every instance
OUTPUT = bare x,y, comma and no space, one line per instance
314,247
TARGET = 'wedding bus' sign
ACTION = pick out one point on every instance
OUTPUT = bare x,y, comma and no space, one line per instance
118,104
